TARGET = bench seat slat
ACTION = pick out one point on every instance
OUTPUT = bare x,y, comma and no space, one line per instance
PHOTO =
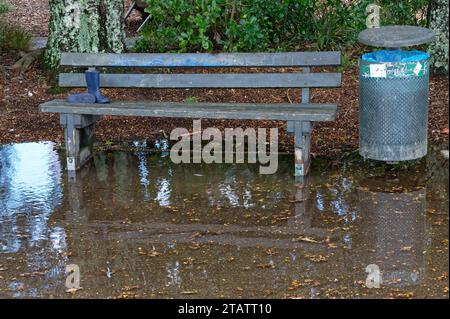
247,111
171,60
249,80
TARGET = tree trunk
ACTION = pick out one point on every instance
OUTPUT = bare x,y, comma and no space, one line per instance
439,23
85,26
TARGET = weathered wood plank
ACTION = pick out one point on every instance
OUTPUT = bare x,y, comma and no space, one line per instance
283,112
172,60
251,80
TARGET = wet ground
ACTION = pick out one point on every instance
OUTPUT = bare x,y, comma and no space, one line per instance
137,225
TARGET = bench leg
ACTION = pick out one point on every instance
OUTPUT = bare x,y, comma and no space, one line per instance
79,134
302,132
301,219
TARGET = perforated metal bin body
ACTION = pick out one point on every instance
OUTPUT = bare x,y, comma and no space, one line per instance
393,110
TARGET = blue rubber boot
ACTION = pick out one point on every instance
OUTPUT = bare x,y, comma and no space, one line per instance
83,98
93,85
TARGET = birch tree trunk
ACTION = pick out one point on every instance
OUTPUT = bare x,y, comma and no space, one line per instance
85,26
439,23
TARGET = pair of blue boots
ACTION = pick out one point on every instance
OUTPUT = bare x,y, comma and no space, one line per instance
93,95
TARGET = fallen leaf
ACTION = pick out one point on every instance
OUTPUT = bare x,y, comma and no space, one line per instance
316,258
151,253
131,288
73,290
295,285
194,246
307,240
266,266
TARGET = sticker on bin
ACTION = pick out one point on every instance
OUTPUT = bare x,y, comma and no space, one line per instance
418,68
378,71
397,70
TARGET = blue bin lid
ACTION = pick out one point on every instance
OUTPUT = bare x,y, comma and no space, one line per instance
395,56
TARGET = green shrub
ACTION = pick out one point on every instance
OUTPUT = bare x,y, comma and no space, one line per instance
12,37
409,12
269,25
4,7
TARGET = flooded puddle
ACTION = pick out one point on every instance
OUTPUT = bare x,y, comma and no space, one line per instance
138,225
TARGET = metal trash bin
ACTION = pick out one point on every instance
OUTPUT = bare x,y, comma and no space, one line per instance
393,111
393,94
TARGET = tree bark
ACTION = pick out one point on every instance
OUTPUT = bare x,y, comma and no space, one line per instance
439,23
85,26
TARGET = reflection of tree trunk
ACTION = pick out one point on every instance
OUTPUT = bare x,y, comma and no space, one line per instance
122,178
85,26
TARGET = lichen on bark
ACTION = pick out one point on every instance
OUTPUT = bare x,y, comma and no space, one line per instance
438,50
84,26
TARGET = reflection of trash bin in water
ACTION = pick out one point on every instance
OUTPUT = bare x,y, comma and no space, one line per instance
394,231
394,105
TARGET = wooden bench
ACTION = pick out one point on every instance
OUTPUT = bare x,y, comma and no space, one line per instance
79,120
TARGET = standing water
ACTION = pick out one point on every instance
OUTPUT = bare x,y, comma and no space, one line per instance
138,225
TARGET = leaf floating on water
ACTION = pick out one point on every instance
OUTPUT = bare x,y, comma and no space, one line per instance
407,295
199,234
266,266
295,285
73,290
35,273
443,277
151,253
296,297
308,240
316,258
131,288
189,292
188,261
271,252
195,246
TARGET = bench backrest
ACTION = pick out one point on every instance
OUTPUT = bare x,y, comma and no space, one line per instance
297,79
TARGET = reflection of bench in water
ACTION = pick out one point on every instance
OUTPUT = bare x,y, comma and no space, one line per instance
165,187
295,232
78,119
243,236
371,237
